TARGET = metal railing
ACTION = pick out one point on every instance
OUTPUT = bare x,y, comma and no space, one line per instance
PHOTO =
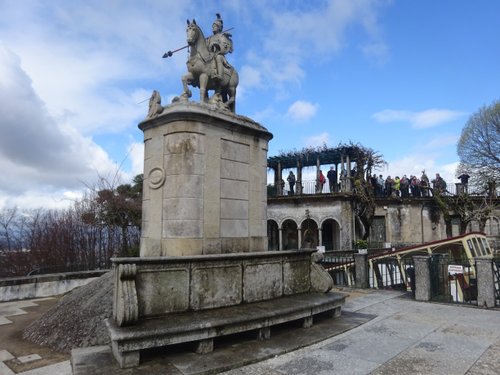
340,266
392,273
496,280
309,188
453,281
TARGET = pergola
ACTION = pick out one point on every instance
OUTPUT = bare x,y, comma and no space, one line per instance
341,156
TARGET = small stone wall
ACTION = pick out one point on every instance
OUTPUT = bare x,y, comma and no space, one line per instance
17,288
151,287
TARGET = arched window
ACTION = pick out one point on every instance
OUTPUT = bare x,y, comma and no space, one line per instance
290,235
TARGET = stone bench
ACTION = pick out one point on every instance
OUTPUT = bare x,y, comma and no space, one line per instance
160,301
201,327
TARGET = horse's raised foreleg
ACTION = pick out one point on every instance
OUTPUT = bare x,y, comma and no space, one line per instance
186,80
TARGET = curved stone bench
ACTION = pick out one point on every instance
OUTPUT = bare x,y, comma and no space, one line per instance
201,327
169,300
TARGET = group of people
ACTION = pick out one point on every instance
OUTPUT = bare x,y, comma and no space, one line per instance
320,181
404,187
407,186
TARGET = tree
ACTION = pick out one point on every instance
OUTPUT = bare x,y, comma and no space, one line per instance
479,147
364,197
119,207
464,207
7,217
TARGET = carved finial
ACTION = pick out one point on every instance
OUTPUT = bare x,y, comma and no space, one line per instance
155,107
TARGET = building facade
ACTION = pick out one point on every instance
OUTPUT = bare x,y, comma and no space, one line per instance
327,219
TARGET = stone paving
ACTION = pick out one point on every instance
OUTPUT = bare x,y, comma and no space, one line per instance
405,337
16,354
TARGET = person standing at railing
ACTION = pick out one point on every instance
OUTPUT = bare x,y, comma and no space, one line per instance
332,179
388,186
424,184
320,182
291,182
464,180
396,185
380,186
404,184
415,187
438,185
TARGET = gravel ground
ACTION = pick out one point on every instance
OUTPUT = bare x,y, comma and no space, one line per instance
77,320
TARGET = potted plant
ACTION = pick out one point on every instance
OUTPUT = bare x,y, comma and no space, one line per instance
361,246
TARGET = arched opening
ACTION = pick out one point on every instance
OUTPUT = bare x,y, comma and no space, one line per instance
492,227
330,236
290,235
273,238
310,238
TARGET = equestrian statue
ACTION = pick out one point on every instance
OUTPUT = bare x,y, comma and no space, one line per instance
207,66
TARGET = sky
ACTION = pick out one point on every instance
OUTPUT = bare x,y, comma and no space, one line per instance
400,77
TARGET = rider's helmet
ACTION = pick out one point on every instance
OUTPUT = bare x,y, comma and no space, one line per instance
218,23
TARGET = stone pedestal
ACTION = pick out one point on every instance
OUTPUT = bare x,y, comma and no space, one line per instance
204,270
361,262
204,182
422,278
485,282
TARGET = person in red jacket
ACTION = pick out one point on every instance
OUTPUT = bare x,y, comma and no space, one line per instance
321,181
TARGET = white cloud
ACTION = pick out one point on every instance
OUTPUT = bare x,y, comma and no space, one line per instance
321,28
136,154
377,51
72,74
33,199
419,120
307,34
35,151
250,76
434,117
265,114
302,111
317,140
441,141
76,56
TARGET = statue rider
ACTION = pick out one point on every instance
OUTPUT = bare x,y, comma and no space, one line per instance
219,44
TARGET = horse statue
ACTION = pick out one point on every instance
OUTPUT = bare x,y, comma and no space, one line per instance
200,66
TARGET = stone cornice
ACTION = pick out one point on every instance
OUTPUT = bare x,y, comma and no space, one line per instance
205,113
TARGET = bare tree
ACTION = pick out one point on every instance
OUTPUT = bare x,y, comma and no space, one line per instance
104,223
479,147
7,218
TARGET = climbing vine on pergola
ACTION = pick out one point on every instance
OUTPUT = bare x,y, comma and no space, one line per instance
365,158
